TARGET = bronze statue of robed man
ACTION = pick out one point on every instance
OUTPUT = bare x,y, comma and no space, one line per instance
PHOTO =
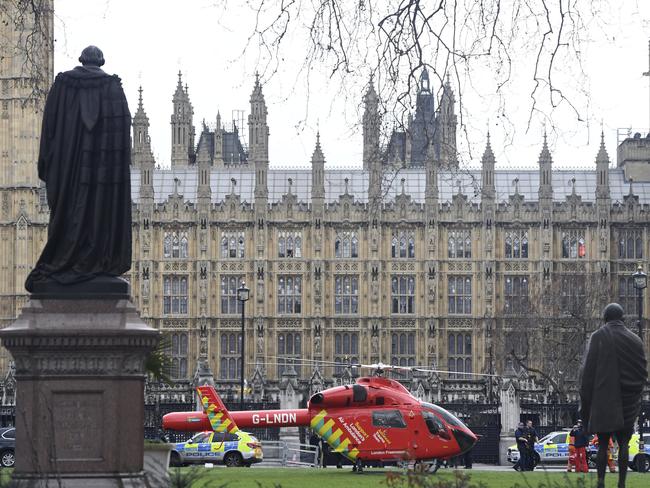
84,161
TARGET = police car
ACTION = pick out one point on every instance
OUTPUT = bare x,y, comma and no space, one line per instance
232,449
552,448
636,456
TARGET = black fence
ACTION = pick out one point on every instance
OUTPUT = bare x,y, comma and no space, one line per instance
484,420
7,416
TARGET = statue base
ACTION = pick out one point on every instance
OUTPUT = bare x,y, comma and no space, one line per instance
79,393
99,287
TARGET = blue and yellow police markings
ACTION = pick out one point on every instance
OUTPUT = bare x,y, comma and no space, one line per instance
333,435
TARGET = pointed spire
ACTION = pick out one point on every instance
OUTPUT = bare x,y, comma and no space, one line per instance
573,186
140,98
602,156
317,156
371,95
257,88
179,85
545,154
631,192
403,186
488,154
515,182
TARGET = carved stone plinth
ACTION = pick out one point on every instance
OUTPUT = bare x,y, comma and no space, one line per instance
80,393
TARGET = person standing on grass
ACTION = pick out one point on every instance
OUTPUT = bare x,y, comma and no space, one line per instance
571,463
613,374
580,441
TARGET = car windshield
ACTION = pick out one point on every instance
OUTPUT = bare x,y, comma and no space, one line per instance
200,437
446,416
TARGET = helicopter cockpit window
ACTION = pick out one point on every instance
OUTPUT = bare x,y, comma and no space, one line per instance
388,418
434,424
446,416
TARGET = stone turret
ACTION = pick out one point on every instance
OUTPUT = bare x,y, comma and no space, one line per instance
602,170
371,123
487,171
446,124
633,155
218,141
182,126
258,142
545,173
141,155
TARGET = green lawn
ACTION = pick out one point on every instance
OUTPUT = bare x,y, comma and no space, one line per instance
322,478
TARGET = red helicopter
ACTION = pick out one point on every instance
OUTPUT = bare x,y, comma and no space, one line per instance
374,420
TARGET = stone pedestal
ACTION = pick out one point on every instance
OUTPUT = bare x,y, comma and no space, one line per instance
80,393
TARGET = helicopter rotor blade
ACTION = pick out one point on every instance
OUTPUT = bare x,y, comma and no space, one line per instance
375,366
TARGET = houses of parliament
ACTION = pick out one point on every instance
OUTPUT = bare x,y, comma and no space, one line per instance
407,259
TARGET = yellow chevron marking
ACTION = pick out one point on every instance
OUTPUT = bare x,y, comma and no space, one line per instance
335,435
326,426
318,418
343,446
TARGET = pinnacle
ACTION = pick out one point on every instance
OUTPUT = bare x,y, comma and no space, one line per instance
488,154
317,156
545,154
371,94
602,156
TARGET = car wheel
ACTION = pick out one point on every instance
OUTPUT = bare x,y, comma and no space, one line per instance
8,459
233,460
175,460
642,461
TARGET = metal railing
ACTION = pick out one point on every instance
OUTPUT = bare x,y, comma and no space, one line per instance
281,453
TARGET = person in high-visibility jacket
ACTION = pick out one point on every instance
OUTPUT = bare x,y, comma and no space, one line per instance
571,463
610,453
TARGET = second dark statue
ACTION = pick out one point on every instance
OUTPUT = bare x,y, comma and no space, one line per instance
84,160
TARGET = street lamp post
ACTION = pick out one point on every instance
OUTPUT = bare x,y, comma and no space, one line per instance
640,283
243,294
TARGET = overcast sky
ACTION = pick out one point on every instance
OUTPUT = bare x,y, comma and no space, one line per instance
146,42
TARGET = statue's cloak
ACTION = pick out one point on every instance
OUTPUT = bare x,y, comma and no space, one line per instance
84,161
613,375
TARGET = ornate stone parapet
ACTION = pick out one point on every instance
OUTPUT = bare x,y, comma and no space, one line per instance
80,368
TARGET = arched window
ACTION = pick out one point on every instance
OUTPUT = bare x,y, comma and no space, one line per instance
337,247
290,247
167,246
281,247
402,244
184,245
459,244
460,354
355,246
289,351
224,248
298,244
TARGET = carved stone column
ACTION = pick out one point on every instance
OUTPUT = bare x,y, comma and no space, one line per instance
80,393
510,415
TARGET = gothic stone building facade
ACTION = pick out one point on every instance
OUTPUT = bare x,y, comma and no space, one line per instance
422,265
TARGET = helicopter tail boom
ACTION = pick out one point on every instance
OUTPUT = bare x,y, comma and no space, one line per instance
198,421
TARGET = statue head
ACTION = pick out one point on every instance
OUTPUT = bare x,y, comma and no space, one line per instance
613,311
92,56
